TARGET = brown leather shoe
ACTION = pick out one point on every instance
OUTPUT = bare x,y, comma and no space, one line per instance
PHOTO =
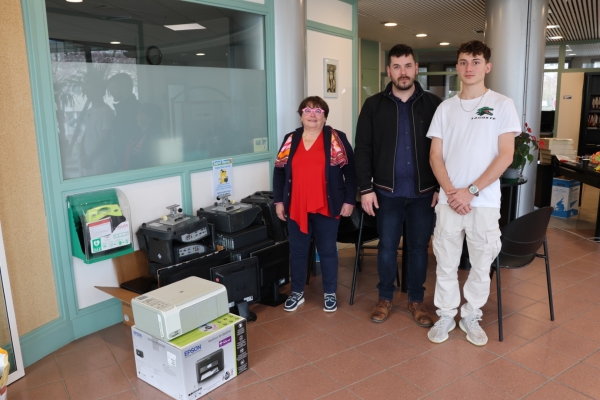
381,310
420,314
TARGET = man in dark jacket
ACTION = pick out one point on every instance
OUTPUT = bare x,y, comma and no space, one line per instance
395,179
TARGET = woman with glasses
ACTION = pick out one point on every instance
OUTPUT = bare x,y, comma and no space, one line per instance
314,183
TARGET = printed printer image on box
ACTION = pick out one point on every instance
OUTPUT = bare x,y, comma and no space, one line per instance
565,197
196,363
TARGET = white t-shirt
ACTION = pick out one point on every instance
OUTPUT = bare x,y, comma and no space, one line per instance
470,140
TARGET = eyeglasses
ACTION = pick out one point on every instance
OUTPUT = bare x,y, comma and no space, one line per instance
317,111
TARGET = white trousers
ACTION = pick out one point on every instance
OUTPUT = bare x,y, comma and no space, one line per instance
483,240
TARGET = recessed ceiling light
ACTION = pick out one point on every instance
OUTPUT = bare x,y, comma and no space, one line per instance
421,35
115,42
552,26
200,54
74,1
444,43
555,37
390,23
572,54
185,27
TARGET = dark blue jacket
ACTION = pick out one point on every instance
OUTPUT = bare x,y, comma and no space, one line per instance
341,182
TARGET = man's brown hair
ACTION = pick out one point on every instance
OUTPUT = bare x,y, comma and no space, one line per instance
474,48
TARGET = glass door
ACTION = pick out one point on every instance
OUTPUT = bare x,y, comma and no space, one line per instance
9,336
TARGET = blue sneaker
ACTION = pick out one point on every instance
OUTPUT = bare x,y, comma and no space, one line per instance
330,303
293,301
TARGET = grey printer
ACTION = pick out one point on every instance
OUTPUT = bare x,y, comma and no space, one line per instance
173,310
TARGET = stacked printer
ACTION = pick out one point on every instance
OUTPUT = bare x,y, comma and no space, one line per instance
175,238
240,245
239,227
252,232
185,340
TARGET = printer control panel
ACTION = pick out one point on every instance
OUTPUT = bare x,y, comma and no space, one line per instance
189,250
155,303
193,236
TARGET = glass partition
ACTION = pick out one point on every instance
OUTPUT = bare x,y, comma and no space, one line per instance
550,81
443,85
169,82
583,55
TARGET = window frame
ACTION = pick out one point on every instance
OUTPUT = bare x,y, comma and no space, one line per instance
55,188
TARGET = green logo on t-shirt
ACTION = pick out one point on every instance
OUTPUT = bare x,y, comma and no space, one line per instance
485,111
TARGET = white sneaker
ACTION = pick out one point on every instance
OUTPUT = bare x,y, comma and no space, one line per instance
475,334
439,332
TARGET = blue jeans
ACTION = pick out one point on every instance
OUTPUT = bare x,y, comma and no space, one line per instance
391,215
325,233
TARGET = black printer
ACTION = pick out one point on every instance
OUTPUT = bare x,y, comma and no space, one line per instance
175,237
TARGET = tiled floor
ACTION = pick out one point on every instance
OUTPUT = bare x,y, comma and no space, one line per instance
309,354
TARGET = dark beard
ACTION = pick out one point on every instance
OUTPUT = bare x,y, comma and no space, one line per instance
397,86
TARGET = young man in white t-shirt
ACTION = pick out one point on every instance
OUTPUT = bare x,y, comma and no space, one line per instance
472,145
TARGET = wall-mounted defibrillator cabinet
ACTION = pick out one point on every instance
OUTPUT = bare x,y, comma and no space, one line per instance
100,225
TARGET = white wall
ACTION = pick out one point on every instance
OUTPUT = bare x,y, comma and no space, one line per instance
148,201
330,12
319,46
247,179
569,113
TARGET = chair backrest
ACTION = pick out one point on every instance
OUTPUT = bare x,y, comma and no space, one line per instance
525,235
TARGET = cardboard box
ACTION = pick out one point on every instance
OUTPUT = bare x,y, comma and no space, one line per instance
565,197
196,363
130,266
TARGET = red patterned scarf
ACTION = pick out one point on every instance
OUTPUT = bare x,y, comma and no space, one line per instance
338,152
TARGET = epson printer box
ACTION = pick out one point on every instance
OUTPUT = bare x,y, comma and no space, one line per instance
193,364
565,197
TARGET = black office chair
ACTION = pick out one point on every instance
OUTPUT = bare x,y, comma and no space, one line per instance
521,240
359,229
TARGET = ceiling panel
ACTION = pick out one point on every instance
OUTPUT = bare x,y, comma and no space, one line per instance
456,21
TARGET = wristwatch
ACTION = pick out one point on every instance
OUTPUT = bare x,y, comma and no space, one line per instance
474,190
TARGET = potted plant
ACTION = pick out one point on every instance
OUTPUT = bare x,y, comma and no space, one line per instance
525,145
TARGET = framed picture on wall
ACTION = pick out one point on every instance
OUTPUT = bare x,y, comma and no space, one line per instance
330,77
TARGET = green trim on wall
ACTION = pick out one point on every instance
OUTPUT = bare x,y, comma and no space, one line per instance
581,70
433,73
329,29
349,34
74,323
355,109
561,67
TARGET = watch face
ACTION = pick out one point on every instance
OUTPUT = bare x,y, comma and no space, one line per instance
473,189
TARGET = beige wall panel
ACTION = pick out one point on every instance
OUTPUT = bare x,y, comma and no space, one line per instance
569,111
21,202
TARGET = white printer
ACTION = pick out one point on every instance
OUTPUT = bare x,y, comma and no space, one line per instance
178,308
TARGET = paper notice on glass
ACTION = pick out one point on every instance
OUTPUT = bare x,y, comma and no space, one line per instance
222,177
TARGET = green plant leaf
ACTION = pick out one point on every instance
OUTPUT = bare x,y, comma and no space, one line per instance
524,149
518,161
